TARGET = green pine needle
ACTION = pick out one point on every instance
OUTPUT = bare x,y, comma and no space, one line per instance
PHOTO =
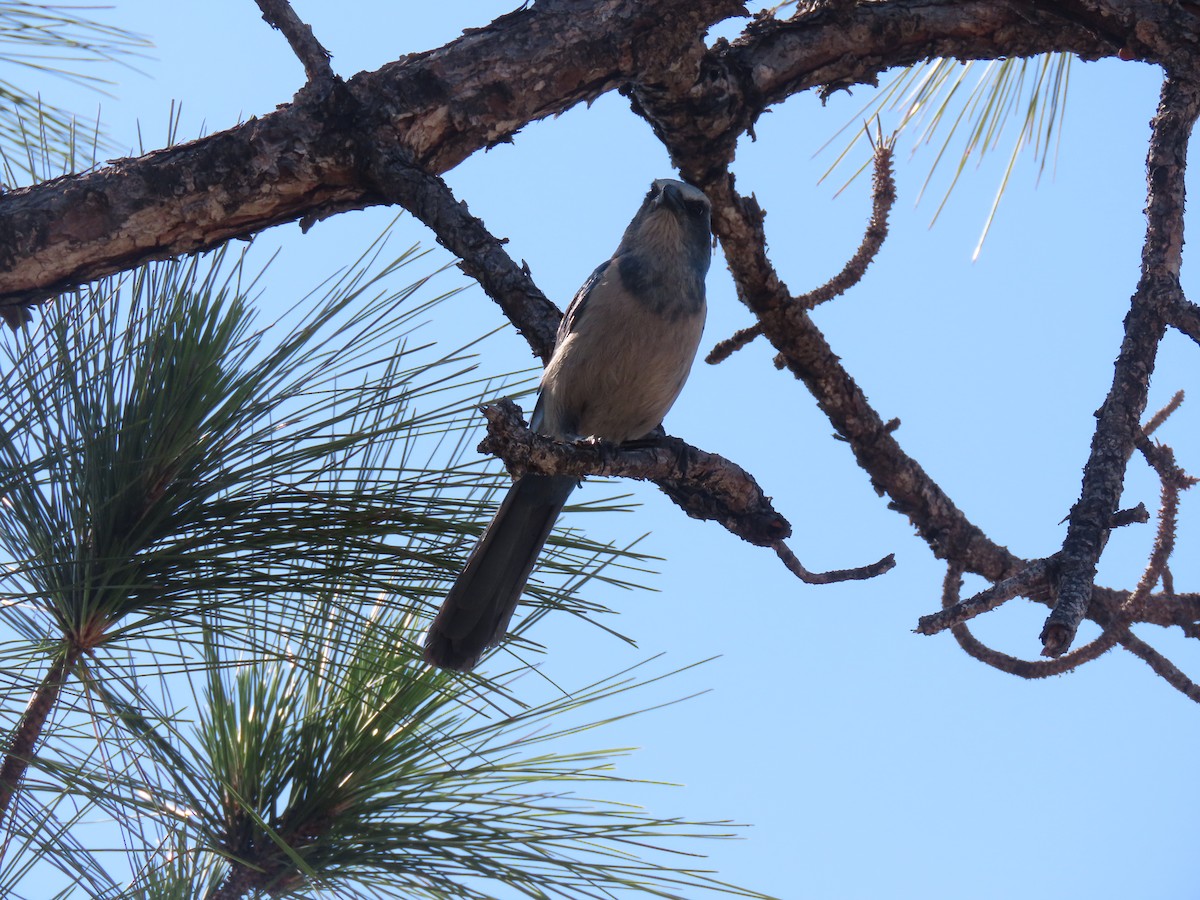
938,105
243,527
39,140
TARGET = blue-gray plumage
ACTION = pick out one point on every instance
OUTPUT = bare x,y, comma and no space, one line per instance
624,349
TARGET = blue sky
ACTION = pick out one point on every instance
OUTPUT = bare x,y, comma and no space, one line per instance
871,762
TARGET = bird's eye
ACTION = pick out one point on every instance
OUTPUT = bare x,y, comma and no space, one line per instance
695,207
653,192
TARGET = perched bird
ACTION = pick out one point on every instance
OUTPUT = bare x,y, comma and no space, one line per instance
623,352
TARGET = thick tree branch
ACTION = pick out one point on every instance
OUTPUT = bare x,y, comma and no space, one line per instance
679,121
704,485
1119,419
831,49
300,162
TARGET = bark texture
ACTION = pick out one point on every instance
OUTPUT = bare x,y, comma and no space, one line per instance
307,160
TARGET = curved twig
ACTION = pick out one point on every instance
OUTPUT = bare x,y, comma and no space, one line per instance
859,573
482,256
1014,665
883,198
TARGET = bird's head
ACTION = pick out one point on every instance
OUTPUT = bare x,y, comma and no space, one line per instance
673,222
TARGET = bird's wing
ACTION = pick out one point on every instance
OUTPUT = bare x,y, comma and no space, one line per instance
570,322
579,303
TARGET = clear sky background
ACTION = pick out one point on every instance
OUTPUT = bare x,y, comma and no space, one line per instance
869,761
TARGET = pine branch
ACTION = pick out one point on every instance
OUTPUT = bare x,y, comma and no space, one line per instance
303,161
20,749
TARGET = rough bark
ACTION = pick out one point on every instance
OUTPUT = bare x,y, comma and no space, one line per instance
304,161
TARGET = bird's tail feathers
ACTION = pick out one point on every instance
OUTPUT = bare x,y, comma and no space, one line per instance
477,609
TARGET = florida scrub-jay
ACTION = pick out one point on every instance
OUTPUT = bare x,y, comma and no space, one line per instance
623,352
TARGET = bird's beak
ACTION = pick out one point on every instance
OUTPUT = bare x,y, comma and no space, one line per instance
671,198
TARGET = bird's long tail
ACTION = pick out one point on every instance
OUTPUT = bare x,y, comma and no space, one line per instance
475,613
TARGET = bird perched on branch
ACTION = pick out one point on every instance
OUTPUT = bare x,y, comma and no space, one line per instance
624,350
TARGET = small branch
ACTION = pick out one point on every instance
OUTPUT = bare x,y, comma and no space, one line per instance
858,574
1119,419
722,350
986,600
704,485
23,741
1162,666
1138,515
1013,665
1162,415
315,58
883,193
482,255
1034,668
1184,316
884,197
1174,481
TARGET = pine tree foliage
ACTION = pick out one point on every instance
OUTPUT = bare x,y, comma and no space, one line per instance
224,537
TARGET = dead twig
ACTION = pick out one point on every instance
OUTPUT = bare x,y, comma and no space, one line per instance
1138,515
1162,415
884,197
1174,481
860,573
986,600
